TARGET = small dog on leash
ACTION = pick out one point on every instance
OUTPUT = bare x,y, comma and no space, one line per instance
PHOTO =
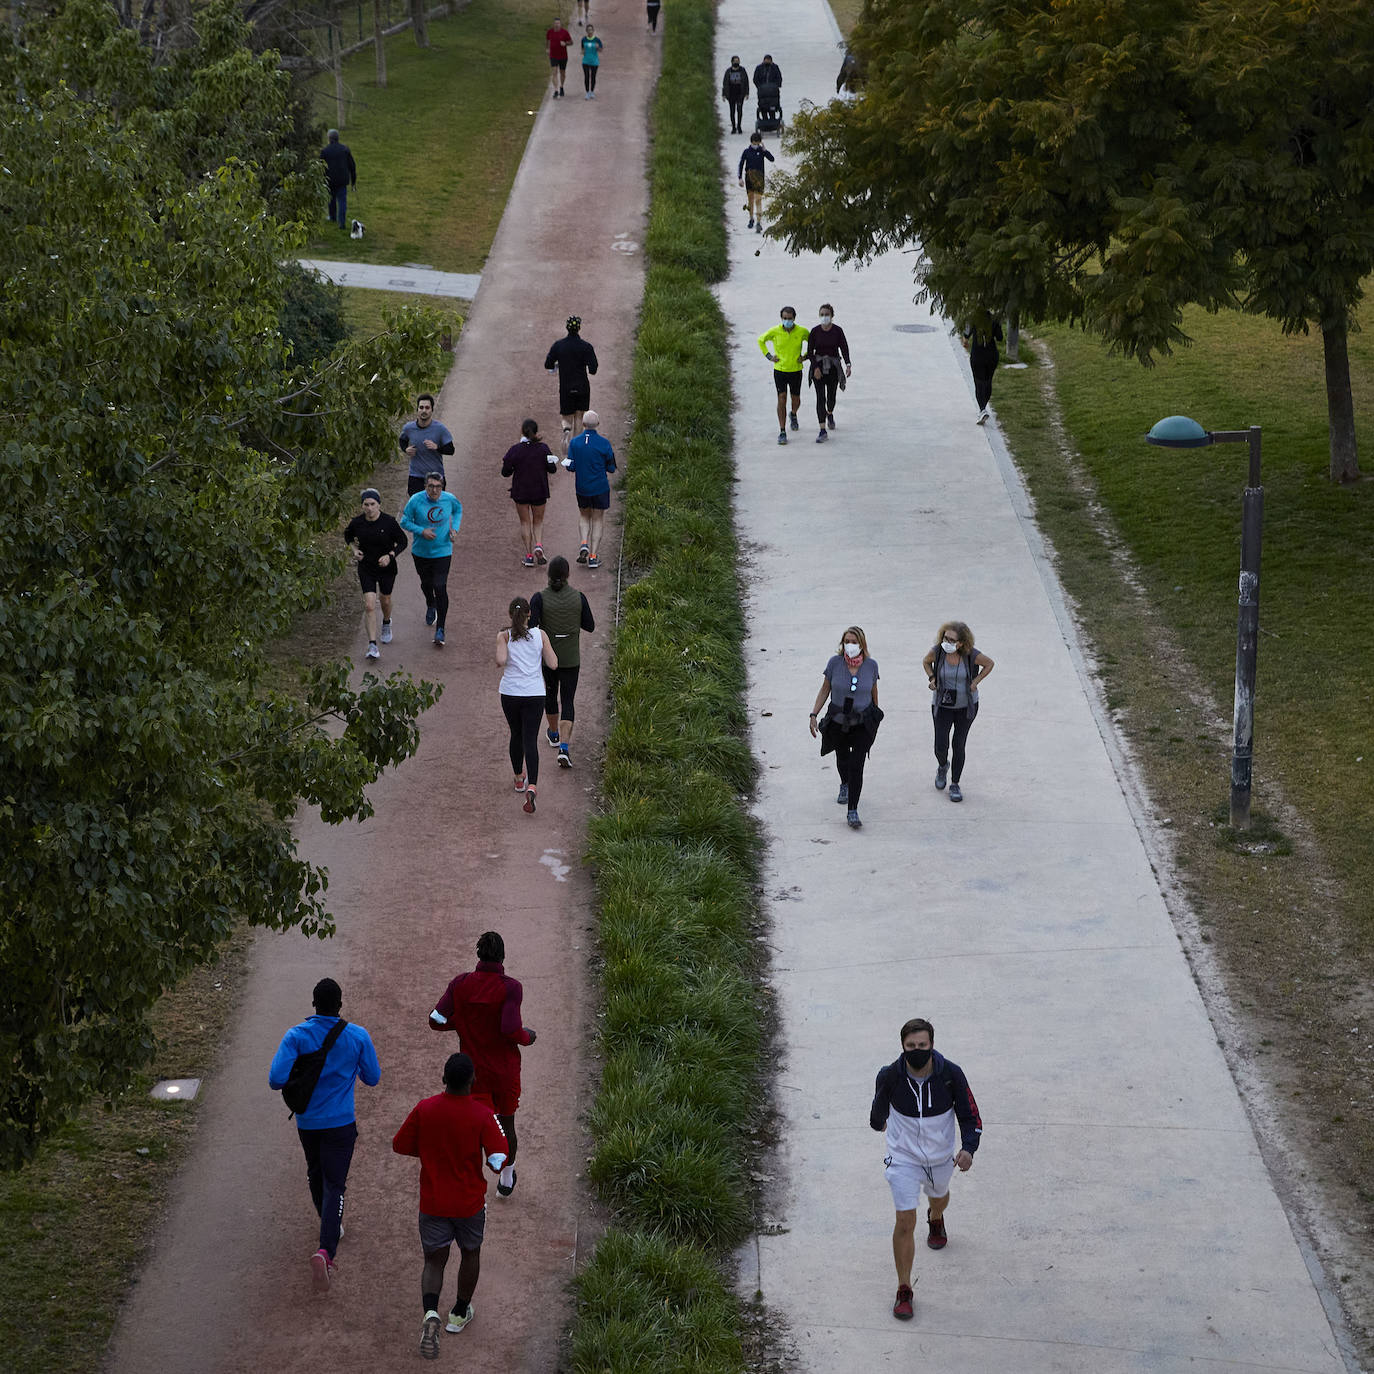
356,232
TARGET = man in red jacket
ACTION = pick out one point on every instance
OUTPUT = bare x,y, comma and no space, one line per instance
451,1133
483,1007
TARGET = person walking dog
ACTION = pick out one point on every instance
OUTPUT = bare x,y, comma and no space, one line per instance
918,1102
340,173
954,669
751,176
851,684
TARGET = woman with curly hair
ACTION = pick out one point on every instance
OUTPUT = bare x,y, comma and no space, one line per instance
851,684
954,668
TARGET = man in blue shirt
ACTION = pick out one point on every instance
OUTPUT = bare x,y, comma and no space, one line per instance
327,1127
433,516
590,458
426,443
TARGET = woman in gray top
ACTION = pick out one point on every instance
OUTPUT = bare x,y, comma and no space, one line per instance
954,668
851,684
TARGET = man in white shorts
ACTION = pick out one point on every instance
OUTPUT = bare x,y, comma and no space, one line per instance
919,1101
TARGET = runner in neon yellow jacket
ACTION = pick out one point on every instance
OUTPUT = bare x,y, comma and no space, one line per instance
782,346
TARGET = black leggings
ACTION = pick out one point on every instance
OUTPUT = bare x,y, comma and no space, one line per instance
982,385
589,76
736,114
523,715
652,7
849,763
960,720
560,682
434,583
827,388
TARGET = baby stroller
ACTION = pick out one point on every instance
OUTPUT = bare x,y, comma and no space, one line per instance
769,118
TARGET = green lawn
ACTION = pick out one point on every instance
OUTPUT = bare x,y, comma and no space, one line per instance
366,310
437,150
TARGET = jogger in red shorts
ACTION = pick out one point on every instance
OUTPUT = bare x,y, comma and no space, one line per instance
483,1007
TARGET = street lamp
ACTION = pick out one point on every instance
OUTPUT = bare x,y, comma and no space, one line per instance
1178,431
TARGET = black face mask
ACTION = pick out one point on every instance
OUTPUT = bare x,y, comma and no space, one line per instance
917,1059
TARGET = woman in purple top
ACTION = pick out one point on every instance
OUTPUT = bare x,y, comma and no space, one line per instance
851,684
528,465
825,346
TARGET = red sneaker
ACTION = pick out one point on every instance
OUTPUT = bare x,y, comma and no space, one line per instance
937,1240
901,1309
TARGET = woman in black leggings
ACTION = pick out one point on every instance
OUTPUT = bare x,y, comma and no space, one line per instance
954,668
523,653
851,684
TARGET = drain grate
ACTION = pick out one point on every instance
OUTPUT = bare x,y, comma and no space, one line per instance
916,328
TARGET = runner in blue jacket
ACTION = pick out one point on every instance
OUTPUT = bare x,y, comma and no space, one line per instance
590,458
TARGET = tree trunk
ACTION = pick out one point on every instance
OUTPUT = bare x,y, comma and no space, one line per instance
1340,404
420,21
1014,338
379,42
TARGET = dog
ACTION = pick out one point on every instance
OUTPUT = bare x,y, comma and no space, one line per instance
357,231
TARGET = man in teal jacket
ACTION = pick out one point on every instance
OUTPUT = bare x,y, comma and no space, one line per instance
782,346
433,517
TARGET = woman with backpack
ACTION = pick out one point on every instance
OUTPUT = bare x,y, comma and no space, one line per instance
851,684
954,668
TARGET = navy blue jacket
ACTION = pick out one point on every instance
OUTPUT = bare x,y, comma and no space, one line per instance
925,1101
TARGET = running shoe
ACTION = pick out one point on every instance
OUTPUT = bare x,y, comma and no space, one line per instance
901,1309
830,419
539,555
792,419
782,436
431,615
982,416
941,773
822,437
372,650
593,561
937,1239
843,798
758,228
429,1336
321,1270
386,632
582,554
528,560
520,783
529,801
750,225
551,736
457,1321
505,1185
852,817
954,793
439,637
564,758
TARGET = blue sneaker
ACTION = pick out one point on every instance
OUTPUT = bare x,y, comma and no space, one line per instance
564,758
431,615
551,736
439,637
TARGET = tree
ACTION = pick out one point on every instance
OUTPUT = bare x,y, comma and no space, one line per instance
167,468
1107,165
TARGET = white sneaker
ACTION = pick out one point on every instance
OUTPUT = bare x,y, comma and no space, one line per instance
983,416
386,632
505,1185
372,650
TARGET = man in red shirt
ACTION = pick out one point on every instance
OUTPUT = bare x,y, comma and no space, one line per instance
483,1007
451,1133
558,39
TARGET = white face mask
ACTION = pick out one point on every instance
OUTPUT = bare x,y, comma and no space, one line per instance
852,651
947,646
825,319
789,324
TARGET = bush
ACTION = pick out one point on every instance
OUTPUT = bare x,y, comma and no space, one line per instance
312,315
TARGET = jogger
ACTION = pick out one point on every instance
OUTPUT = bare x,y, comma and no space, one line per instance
523,653
433,517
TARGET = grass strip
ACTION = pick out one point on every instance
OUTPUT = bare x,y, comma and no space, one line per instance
675,849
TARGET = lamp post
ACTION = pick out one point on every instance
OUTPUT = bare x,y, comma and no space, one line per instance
1178,431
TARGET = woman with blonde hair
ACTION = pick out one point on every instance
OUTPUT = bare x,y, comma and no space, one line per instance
851,684
523,653
954,668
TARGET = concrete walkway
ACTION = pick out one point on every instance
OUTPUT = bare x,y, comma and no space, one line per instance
422,281
1119,1215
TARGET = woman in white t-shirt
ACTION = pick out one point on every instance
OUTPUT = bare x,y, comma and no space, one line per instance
522,652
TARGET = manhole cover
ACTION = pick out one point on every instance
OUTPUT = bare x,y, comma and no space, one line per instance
916,328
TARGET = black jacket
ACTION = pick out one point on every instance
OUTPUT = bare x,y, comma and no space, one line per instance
339,166
768,73
734,85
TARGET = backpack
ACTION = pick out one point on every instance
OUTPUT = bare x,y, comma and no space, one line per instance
305,1072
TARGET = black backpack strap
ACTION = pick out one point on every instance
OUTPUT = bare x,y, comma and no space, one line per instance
336,1030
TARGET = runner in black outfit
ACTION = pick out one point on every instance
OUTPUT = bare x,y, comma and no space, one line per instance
573,358
376,539
825,346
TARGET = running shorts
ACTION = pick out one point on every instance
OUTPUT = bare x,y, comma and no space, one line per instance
375,579
438,1233
601,501
753,180
906,1178
787,381
574,398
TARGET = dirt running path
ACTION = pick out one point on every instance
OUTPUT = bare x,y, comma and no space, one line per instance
448,854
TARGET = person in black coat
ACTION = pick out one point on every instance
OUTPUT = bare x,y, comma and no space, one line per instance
734,90
341,172
767,72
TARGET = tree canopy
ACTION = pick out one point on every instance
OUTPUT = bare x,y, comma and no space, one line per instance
167,469
1108,163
